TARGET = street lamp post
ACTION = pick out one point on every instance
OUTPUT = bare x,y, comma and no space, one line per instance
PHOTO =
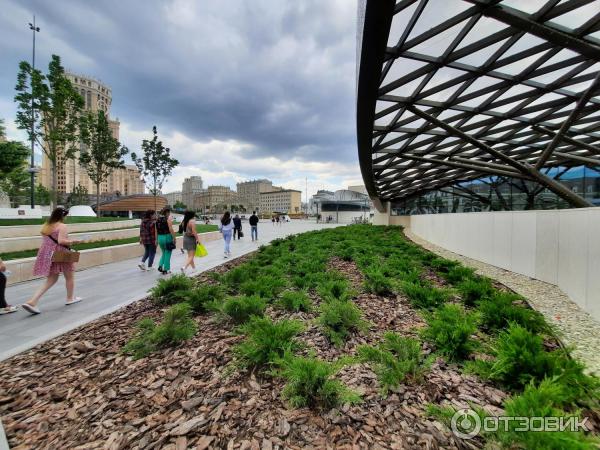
32,169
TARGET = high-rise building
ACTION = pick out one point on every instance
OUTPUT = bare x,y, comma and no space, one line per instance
127,181
249,192
190,187
284,201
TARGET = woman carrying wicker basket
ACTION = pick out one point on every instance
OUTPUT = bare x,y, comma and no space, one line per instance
53,259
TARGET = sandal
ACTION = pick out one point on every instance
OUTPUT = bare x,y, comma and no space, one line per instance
9,309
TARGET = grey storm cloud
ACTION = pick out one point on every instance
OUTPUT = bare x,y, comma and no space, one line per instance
275,74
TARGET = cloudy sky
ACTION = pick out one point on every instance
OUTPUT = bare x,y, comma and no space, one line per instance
238,90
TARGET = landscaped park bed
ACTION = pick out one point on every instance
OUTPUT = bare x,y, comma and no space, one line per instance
343,338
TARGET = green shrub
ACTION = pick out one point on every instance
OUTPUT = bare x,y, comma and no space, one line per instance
236,276
541,401
265,286
177,326
450,329
240,309
442,265
424,297
346,253
339,319
162,293
499,310
376,282
295,301
520,357
335,289
395,359
205,298
310,383
458,274
142,344
474,290
266,341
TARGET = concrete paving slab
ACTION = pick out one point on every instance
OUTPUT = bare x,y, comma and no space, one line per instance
108,287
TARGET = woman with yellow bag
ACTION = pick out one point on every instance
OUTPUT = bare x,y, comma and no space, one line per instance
190,239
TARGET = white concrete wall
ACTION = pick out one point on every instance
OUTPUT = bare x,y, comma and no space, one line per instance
560,247
34,230
22,269
22,212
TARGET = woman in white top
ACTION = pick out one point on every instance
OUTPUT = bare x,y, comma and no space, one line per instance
226,228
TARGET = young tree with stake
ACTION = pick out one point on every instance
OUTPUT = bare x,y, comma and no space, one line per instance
156,164
104,153
55,113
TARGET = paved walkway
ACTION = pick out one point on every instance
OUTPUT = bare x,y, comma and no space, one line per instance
108,287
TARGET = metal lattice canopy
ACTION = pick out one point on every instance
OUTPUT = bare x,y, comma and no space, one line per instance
456,90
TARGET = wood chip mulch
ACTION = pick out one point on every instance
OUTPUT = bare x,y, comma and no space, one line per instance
78,392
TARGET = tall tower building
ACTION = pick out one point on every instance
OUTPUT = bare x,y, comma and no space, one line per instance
249,192
191,186
97,97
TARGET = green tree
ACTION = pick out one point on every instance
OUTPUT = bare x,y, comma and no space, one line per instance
79,196
179,205
156,163
55,116
103,154
42,195
13,170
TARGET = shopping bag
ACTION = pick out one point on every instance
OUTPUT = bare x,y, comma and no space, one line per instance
201,250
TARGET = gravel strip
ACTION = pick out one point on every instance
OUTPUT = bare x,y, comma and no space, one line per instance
575,327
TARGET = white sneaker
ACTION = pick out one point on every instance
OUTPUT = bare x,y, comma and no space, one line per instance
142,266
75,300
149,269
182,270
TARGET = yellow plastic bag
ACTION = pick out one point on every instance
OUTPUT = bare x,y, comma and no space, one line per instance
201,250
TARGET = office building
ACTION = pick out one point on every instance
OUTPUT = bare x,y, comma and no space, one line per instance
190,187
249,192
284,201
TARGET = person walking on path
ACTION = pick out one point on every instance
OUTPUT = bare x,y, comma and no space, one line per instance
226,227
55,235
5,308
190,239
237,227
253,226
148,239
273,220
166,240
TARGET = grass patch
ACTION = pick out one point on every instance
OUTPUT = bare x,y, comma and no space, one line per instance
68,220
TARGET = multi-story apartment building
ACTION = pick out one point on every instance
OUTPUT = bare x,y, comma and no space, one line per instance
190,187
285,201
249,192
216,199
97,97
174,197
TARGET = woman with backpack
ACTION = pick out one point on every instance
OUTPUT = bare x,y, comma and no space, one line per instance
148,239
190,239
55,238
226,228
166,240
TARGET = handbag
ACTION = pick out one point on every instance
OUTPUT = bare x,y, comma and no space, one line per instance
171,246
241,233
201,250
67,255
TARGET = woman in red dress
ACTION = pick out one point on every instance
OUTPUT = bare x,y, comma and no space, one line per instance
55,235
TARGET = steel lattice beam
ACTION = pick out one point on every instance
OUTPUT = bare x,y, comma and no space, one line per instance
420,129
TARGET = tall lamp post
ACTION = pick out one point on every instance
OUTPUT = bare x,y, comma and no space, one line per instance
32,170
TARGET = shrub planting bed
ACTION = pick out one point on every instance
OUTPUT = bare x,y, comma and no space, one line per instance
350,337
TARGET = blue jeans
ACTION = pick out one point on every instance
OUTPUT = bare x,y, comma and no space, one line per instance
149,254
227,239
254,232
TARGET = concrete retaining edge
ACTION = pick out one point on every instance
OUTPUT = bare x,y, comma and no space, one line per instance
22,269
34,230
